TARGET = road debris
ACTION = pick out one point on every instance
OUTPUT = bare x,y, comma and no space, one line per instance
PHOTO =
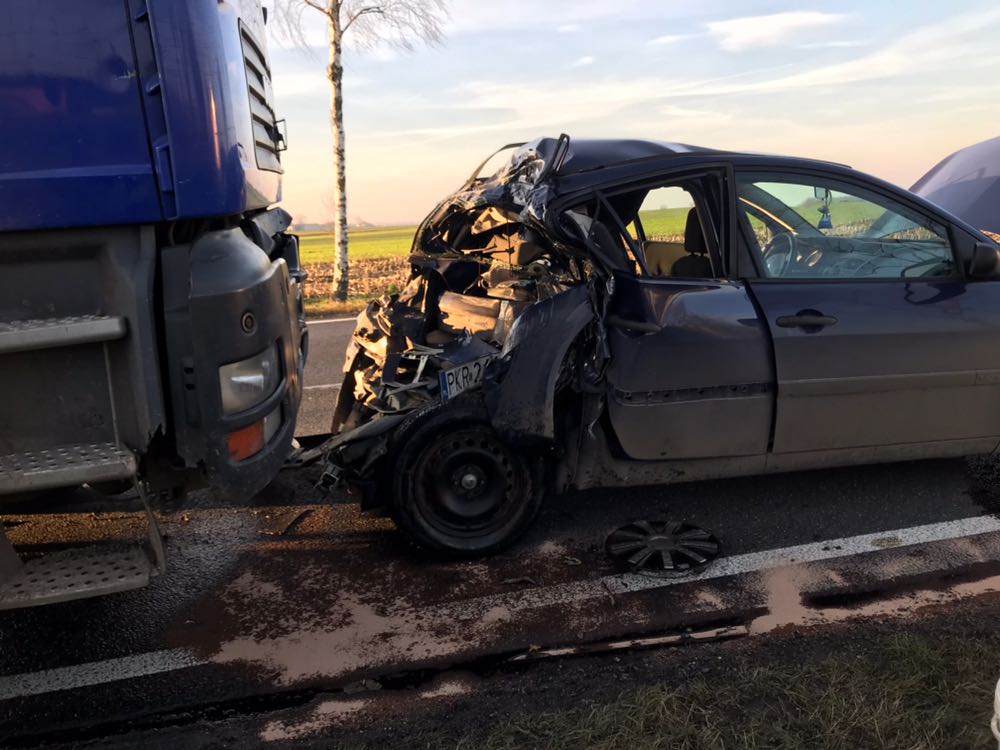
362,686
280,522
632,644
660,548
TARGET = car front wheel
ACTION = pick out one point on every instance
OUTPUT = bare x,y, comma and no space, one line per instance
461,490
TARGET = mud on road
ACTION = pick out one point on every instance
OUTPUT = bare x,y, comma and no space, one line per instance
271,605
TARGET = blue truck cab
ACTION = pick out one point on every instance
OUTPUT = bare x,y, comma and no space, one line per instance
151,323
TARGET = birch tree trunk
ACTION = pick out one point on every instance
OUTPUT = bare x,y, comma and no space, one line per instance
336,75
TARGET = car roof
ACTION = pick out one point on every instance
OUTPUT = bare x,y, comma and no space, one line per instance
588,154
593,153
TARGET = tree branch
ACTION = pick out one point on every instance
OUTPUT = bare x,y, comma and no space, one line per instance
356,16
316,6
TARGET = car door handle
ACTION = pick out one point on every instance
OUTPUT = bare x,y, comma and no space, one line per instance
805,321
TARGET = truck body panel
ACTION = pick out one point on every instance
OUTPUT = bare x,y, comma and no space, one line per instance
137,112
152,332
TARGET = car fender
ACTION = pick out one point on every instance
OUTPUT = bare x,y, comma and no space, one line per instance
522,403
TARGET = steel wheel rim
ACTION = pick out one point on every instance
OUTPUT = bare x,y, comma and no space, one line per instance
467,483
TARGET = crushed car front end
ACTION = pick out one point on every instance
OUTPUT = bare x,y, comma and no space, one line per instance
493,307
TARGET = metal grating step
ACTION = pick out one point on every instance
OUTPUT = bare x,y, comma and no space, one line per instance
46,333
65,466
75,574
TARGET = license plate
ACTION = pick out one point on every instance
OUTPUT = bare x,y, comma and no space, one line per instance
462,377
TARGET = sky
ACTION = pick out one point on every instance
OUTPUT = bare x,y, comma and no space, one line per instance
885,86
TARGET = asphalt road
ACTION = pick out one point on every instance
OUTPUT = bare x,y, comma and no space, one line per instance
265,604
328,339
269,604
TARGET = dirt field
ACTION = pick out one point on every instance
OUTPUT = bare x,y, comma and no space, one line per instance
370,278
378,265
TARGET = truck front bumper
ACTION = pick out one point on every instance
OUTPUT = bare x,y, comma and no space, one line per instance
226,304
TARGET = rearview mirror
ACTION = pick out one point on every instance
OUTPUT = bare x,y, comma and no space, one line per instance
985,263
821,193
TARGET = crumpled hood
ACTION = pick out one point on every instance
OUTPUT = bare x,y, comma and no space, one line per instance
967,184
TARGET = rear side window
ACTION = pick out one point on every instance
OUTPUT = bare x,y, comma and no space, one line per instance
811,229
664,231
663,213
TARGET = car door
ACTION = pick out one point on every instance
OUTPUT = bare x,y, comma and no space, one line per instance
690,374
881,346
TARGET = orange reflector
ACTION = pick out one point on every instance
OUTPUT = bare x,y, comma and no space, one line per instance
246,442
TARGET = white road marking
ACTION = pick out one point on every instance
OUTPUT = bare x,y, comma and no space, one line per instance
97,673
829,550
330,320
158,662
749,562
326,386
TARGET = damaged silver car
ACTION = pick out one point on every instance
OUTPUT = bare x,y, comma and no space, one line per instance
617,313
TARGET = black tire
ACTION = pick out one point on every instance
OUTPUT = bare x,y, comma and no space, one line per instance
459,489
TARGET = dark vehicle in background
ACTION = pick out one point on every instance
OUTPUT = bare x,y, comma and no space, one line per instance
151,325
619,313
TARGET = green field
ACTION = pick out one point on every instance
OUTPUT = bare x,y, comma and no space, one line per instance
669,222
394,242
379,242
842,211
664,222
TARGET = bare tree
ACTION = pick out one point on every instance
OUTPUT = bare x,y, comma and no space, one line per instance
396,23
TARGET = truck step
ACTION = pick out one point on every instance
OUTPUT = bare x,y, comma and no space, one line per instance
46,333
64,466
75,574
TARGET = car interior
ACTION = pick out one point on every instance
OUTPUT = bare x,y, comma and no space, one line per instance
658,231
805,231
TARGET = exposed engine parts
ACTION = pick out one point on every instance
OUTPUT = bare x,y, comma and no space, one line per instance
458,308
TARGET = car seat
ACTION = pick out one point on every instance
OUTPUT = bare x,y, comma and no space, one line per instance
696,264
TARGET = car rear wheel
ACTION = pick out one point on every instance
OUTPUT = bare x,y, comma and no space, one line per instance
462,490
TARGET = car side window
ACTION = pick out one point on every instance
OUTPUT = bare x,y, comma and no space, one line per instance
660,231
805,229
663,213
670,221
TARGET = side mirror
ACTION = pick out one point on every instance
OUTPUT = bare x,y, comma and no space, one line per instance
985,263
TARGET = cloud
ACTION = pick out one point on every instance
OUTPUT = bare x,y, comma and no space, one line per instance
674,111
933,48
584,62
527,109
834,44
668,39
736,34
568,28
477,16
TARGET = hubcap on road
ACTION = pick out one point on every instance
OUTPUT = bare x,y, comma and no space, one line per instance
659,548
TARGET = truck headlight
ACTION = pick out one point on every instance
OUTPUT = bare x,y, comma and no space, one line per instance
246,383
